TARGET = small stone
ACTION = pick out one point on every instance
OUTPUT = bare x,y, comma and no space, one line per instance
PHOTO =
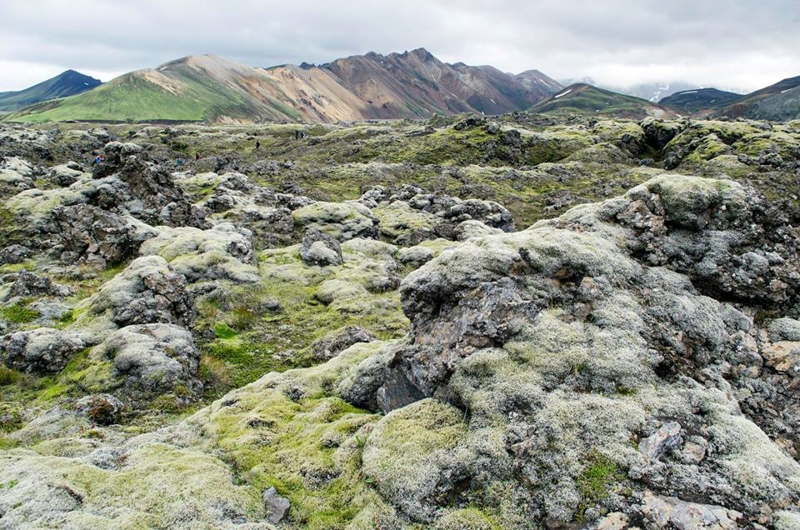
330,346
670,512
415,256
665,439
614,521
695,452
15,254
321,249
275,505
784,329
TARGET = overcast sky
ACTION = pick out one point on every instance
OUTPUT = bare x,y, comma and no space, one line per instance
734,44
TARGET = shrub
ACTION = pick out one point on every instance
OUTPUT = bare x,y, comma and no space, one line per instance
8,376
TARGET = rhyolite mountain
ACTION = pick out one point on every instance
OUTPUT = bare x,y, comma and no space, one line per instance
700,100
66,84
209,88
780,101
582,98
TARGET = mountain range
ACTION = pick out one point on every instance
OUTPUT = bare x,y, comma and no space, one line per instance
399,85
409,85
66,84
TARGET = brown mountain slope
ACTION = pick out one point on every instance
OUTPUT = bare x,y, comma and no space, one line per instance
536,81
417,84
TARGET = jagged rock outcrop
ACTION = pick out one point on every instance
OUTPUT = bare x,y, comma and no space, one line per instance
658,133
330,346
488,212
148,291
409,215
133,183
15,176
469,229
14,254
415,256
224,251
27,284
65,174
271,227
93,235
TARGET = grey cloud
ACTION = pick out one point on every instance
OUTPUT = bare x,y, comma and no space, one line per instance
746,43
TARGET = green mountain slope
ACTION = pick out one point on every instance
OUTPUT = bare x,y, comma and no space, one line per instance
589,100
66,84
190,89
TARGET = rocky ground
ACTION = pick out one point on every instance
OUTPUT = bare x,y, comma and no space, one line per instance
517,322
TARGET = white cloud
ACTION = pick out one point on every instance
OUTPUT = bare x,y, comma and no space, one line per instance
745,44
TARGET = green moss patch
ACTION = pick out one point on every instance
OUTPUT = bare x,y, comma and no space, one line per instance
20,313
593,482
286,431
223,331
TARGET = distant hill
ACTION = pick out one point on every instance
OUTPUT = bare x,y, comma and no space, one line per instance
533,79
68,83
780,101
652,92
209,88
590,100
699,100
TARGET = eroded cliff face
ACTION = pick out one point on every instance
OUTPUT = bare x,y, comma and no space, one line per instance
632,362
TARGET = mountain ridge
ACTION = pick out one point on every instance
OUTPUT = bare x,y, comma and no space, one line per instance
67,83
413,84
700,100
